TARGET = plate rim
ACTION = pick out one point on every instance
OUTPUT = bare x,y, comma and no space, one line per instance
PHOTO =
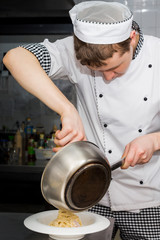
32,223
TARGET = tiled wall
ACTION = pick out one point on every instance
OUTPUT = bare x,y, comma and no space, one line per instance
146,13
17,104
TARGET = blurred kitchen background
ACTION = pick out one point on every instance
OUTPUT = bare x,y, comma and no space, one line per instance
33,22
24,118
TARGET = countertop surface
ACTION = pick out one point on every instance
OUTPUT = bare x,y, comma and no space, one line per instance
21,172
12,227
22,168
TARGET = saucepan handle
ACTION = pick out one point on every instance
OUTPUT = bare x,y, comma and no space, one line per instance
117,164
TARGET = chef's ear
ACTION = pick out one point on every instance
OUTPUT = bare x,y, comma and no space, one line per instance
133,36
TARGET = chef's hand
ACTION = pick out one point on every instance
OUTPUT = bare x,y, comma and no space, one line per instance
141,149
72,130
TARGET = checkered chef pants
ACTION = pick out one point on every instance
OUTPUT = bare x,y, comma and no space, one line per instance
144,225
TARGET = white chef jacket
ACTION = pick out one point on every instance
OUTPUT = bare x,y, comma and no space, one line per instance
116,112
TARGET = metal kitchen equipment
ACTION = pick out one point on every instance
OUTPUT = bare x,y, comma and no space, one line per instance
76,177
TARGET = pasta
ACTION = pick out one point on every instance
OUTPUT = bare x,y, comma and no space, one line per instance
66,219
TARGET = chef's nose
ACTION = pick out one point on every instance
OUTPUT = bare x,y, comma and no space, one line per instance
109,75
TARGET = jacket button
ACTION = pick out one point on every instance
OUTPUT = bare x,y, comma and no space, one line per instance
150,65
100,95
140,130
110,151
141,182
145,98
105,125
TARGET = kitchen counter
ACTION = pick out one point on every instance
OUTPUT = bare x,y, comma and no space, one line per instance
19,168
12,227
22,171
21,184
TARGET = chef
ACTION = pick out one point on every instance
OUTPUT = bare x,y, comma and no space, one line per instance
116,74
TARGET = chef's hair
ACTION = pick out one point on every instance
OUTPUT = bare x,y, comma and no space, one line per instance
94,55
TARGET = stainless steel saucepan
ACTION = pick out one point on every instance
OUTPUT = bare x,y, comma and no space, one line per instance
77,177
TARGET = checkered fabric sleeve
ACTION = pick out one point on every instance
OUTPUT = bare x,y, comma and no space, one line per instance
41,54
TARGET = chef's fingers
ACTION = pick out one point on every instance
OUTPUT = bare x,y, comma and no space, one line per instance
129,155
124,156
73,132
62,133
56,149
142,158
133,157
70,137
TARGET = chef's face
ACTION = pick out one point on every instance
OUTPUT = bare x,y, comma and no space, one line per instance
115,66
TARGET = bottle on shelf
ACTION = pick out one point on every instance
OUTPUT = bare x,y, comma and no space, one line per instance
28,132
29,126
31,152
41,143
52,136
53,132
4,156
10,149
35,136
22,131
18,146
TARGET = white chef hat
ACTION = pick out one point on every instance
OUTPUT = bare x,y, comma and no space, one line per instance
101,22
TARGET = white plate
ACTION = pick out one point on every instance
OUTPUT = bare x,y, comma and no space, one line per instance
92,223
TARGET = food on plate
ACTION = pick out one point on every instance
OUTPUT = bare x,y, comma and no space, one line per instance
66,219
